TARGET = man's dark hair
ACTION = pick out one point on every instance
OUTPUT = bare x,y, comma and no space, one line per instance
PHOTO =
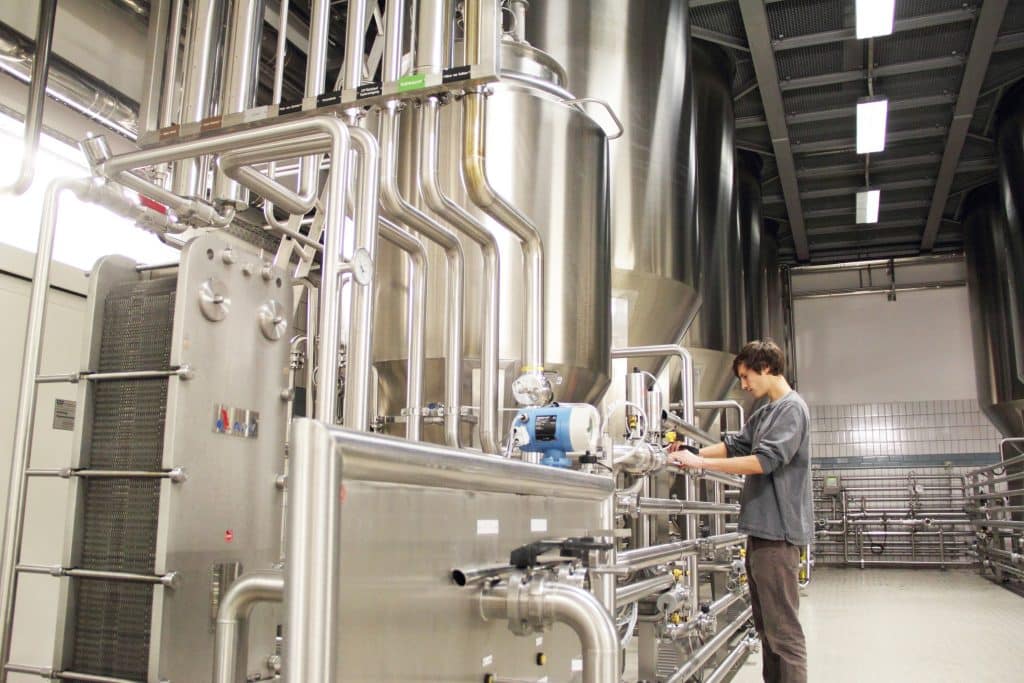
763,354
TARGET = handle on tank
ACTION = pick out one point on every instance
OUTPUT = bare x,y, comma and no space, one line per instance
607,108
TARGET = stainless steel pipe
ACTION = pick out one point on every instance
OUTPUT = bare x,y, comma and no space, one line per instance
401,211
689,429
36,98
696,662
632,592
244,593
569,605
671,552
483,195
455,215
686,377
417,315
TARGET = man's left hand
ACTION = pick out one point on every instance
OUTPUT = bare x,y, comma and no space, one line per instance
686,460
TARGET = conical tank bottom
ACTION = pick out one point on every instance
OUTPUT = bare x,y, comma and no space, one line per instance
660,311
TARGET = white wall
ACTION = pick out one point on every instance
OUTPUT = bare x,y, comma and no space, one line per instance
36,609
865,349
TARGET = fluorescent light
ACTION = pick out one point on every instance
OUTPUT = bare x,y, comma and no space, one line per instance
867,206
872,113
874,18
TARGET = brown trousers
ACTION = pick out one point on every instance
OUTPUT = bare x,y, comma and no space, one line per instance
775,600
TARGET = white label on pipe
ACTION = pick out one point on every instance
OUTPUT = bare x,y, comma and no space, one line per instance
539,524
540,641
487,527
577,665
488,660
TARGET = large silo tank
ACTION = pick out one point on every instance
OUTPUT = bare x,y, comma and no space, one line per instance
1000,390
717,333
1010,150
751,296
634,55
549,159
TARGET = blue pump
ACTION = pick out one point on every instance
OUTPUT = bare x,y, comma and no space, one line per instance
556,430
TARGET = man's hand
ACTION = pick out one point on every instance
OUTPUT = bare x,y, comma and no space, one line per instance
686,459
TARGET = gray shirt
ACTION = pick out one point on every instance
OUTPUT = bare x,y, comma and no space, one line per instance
776,505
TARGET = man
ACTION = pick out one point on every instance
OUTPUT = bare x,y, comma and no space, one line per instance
775,506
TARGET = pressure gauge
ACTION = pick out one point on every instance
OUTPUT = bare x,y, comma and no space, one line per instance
362,266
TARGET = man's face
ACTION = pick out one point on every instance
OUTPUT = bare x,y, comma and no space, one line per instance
755,383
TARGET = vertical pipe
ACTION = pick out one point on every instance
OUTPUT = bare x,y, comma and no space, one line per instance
14,520
401,211
330,283
430,186
153,72
431,35
311,570
241,76
244,593
197,87
36,98
169,101
354,43
360,345
416,315
316,67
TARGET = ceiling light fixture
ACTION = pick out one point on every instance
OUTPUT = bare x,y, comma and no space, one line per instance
872,113
867,206
874,18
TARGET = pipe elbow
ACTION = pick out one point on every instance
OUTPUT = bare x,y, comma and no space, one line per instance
250,589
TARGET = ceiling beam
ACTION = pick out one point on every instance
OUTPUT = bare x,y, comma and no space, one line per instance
859,228
849,190
904,104
717,38
907,24
848,144
755,22
899,69
1010,41
893,164
985,34
885,207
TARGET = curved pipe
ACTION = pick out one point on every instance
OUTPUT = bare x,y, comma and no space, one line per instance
405,213
474,169
242,596
694,665
576,608
416,351
36,98
430,187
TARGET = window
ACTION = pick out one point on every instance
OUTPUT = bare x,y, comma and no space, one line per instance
85,231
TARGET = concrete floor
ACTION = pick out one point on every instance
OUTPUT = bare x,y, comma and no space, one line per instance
883,625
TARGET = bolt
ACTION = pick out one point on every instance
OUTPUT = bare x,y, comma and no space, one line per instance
227,256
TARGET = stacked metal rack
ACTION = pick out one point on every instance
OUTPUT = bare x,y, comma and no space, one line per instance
995,505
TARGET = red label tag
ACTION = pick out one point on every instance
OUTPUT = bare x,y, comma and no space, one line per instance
229,536
152,204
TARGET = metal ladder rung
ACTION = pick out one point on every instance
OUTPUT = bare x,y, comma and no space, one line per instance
184,372
169,580
177,474
48,673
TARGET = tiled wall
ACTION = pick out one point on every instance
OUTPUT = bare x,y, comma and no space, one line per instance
902,434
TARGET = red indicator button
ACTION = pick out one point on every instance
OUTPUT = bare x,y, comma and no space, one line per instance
229,536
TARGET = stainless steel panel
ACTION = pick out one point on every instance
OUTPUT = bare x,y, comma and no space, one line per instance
549,159
1000,391
399,545
229,509
635,55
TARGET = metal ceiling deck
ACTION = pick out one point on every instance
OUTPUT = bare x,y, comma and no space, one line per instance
936,58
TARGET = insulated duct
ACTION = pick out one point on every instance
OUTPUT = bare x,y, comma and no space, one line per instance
70,85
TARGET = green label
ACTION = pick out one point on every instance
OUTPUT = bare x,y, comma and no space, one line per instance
412,82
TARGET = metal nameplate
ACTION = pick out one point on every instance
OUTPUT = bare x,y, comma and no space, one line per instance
64,414
239,422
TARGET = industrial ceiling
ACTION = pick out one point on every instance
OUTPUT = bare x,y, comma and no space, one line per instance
800,70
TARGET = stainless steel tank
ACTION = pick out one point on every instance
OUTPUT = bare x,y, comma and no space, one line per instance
1000,389
718,331
751,227
634,54
549,159
1010,149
